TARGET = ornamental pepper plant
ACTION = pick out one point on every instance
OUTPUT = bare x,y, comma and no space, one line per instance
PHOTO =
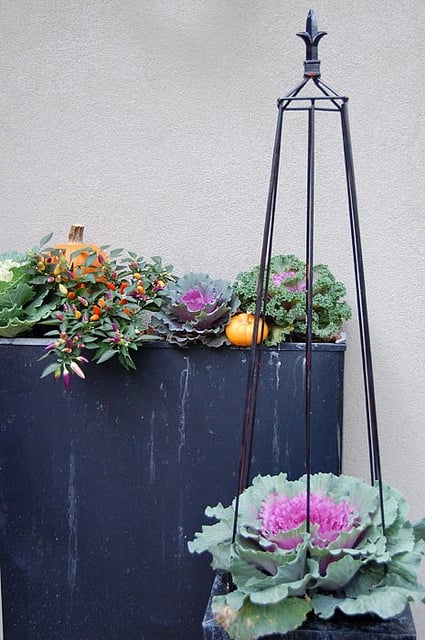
100,312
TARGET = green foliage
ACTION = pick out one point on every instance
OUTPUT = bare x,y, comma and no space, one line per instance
22,303
286,300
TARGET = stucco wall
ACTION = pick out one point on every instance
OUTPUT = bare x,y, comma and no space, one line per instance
152,122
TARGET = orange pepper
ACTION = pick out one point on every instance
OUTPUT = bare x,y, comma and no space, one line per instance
71,295
123,286
94,317
111,286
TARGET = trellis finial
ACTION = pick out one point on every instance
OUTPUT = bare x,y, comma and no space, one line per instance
311,37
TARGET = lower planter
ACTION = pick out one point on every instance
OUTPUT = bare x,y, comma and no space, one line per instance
101,488
342,627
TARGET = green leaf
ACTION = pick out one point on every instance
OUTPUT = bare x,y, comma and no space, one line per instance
279,592
91,259
45,239
9,315
126,361
419,529
259,570
51,368
38,310
149,337
324,605
15,327
278,334
385,602
106,355
89,277
115,253
406,566
210,536
400,539
254,621
38,280
90,338
17,295
339,573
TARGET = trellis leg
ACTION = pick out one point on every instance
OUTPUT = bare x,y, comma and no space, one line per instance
368,377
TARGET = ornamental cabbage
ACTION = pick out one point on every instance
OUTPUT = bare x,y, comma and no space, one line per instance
21,304
286,299
195,308
282,569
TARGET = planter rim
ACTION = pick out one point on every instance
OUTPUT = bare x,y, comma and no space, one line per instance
162,344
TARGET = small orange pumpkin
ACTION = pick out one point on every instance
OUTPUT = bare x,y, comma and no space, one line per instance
240,329
76,252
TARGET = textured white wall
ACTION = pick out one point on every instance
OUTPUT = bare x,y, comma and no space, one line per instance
152,122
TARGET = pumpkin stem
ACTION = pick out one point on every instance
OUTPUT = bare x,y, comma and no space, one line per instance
76,233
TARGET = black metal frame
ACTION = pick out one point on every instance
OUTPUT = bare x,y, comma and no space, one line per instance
326,100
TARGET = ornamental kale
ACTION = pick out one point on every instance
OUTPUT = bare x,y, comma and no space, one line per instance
23,303
286,300
196,308
345,562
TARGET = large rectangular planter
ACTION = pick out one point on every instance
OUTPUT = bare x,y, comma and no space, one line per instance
341,627
101,488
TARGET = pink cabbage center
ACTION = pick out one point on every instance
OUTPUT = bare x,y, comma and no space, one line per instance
195,300
278,278
328,518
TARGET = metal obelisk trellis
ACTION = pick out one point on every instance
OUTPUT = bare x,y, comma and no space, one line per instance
326,99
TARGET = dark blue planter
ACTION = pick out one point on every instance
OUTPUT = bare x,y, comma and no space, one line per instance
101,488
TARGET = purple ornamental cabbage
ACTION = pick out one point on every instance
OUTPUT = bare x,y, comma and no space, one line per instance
282,571
194,309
